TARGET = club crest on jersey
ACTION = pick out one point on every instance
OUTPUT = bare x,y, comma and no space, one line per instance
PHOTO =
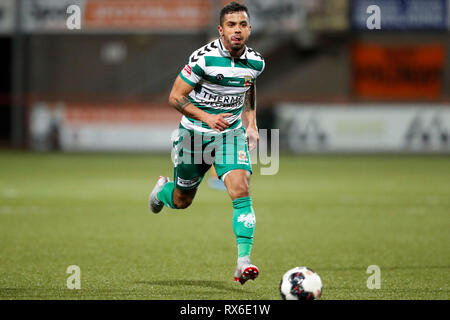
242,156
188,69
219,77
248,81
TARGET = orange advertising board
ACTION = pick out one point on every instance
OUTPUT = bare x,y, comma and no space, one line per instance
398,72
147,14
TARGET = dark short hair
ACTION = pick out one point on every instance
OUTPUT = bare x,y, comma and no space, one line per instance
230,8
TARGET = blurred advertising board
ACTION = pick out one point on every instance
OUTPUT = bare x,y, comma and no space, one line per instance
329,16
179,15
275,16
448,15
78,127
363,128
402,14
47,15
118,15
398,72
7,16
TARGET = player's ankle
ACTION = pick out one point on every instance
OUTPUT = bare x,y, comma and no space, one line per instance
243,260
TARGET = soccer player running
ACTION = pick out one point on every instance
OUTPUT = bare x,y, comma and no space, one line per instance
212,91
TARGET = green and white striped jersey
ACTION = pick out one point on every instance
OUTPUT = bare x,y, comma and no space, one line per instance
220,82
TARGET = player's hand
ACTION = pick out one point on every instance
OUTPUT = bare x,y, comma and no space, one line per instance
217,122
252,138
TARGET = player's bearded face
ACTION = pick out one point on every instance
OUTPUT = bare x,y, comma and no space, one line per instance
235,30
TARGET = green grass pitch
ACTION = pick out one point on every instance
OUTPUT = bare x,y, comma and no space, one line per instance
335,214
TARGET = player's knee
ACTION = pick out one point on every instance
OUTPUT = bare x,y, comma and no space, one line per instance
182,203
183,199
239,191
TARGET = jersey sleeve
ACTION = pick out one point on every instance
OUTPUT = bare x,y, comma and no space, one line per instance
193,71
262,69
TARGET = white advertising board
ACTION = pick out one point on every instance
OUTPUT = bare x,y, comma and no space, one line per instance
7,16
364,128
47,15
103,137
102,127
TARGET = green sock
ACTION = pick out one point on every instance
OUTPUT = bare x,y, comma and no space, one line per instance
166,194
243,225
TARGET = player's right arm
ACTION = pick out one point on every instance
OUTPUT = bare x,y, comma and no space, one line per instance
178,99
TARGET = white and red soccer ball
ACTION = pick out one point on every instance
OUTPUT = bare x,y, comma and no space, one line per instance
301,283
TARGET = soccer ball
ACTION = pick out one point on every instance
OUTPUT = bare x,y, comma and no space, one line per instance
300,283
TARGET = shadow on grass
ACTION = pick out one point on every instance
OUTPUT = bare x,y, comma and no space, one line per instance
219,285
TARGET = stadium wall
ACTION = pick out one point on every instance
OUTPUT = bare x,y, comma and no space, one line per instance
116,63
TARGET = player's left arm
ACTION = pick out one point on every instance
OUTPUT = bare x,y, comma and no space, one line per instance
250,113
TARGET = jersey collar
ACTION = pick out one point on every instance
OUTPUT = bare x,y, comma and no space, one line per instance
226,53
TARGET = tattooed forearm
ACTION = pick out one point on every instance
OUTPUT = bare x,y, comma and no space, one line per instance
181,103
250,99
